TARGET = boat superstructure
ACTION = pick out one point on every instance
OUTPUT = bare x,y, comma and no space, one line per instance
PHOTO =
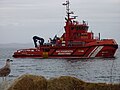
75,42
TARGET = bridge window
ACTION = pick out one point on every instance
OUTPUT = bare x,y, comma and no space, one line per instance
77,28
81,27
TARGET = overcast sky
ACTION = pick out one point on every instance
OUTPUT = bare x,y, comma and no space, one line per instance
20,20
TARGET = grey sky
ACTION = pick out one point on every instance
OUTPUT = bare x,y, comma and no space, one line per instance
20,20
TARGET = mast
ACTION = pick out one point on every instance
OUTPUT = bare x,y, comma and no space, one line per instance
68,21
67,4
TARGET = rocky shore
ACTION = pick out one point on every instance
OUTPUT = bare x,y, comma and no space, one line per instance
34,82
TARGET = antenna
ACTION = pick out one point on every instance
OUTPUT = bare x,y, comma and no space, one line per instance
67,4
74,17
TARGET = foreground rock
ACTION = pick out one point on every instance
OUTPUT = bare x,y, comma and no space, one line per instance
33,82
29,82
65,83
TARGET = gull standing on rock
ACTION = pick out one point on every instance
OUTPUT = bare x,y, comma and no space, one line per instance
5,71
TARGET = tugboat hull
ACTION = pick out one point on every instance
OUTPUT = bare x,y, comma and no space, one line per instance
102,51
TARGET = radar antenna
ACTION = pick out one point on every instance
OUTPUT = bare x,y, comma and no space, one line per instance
67,4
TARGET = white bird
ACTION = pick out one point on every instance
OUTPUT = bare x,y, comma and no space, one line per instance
5,71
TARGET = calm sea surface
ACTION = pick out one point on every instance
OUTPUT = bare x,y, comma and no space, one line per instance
90,70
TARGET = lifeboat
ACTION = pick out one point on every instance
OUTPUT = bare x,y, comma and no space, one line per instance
76,42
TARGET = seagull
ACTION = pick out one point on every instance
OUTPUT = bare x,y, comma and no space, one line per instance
5,71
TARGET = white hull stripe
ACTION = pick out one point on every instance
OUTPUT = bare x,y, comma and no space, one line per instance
97,51
92,51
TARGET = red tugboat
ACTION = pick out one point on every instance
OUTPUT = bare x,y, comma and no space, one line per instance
76,42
